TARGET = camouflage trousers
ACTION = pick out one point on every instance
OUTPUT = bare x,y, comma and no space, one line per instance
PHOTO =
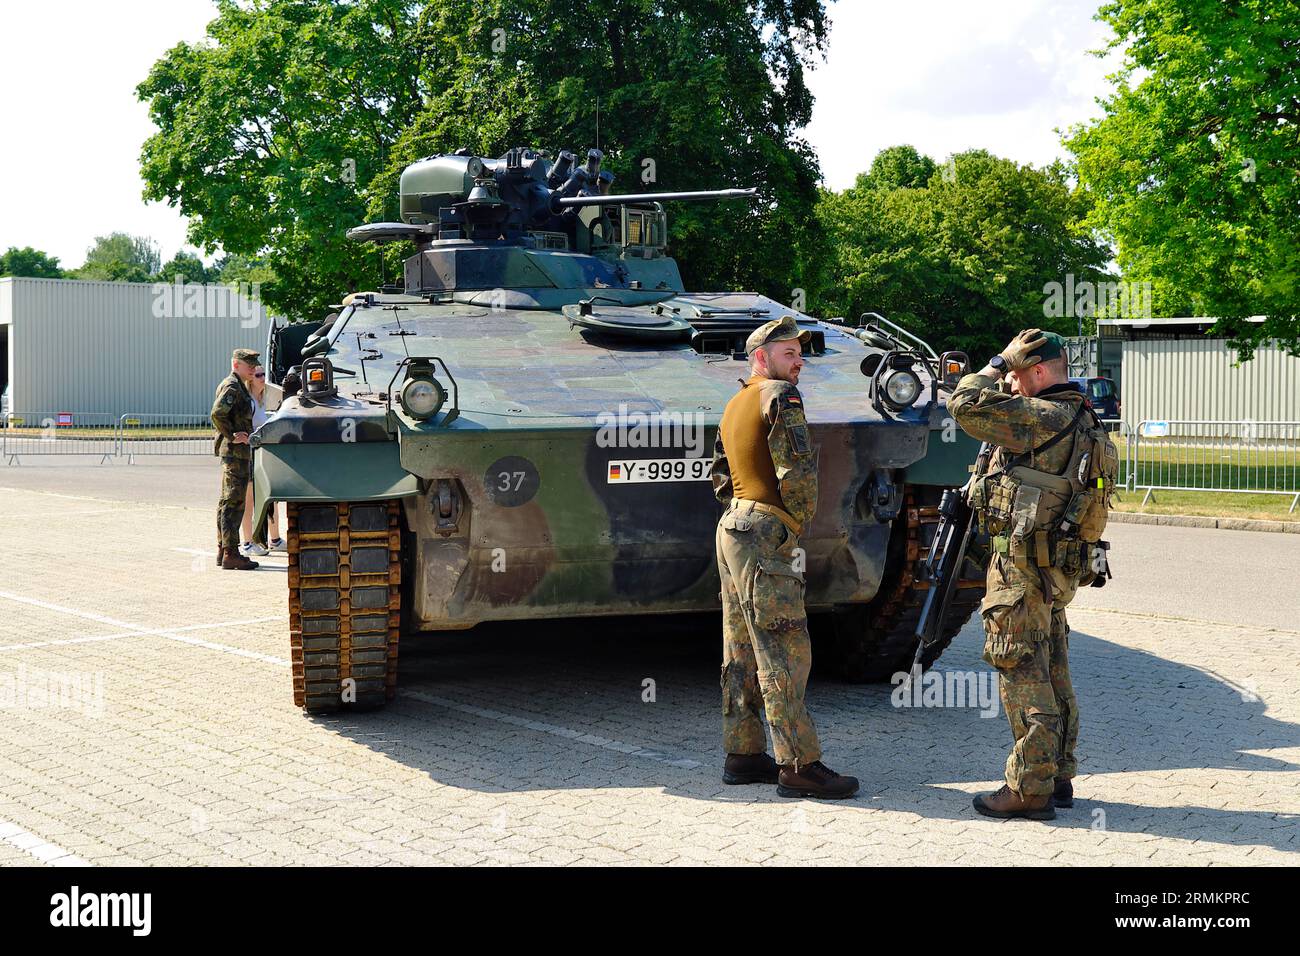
766,651
230,507
1027,640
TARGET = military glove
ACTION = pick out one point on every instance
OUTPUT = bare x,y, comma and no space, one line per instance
1017,356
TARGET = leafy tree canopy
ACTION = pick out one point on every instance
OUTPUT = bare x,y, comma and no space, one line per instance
293,122
188,268
29,262
121,258
897,166
1195,165
964,259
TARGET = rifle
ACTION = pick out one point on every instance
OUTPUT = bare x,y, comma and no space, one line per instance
947,556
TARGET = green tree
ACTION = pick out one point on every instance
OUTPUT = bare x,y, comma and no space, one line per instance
1195,166
29,262
121,258
964,260
189,268
897,166
295,121
232,270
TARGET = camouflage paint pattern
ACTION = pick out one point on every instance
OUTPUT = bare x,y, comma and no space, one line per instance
232,411
567,541
766,651
531,388
1026,632
1014,423
1027,640
230,506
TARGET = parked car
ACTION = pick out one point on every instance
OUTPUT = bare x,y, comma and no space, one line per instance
1103,394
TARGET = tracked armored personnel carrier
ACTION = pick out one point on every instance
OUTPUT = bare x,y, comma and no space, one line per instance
523,429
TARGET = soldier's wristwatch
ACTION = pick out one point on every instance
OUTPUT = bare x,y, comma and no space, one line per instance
999,364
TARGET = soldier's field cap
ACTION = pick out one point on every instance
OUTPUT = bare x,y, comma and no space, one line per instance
246,355
1054,347
778,330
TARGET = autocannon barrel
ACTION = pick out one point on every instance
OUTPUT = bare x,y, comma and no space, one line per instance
655,197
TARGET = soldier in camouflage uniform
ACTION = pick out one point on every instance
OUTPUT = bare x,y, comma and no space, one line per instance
765,473
1041,431
232,415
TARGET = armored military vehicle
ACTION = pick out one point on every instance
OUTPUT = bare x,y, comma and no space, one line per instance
523,429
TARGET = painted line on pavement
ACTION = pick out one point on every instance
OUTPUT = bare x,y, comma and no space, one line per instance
62,514
167,633
33,845
158,632
554,730
684,763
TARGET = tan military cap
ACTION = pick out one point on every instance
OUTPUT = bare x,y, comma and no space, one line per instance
246,355
778,330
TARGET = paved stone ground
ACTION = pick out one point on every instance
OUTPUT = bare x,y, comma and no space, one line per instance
532,744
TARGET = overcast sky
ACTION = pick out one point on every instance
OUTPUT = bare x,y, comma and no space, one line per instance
943,75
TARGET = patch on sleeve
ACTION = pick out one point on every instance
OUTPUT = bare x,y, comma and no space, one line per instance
799,440
227,397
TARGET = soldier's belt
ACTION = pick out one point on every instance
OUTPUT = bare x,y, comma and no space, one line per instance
1043,549
744,504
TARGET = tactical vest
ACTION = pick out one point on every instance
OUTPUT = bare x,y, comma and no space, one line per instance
1046,519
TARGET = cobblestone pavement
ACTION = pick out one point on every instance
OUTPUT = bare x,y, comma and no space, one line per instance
175,740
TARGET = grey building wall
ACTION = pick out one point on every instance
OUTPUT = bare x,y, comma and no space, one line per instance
1195,379
117,347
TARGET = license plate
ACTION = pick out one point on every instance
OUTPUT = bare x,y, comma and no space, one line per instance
636,470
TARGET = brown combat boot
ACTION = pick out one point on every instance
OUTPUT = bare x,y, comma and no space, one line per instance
1006,803
1063,795
749,768
234,561
815,780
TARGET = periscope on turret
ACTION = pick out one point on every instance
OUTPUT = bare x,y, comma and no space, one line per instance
484,440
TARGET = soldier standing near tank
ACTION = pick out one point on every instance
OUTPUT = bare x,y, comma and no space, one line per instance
1043,502
232,415
765,472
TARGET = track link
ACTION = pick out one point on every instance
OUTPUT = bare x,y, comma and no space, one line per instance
876,640
345,581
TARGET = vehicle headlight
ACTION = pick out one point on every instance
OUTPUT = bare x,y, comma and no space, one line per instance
901,388
422,397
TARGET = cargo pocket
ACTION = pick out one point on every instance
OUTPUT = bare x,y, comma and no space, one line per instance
1007,642
732,521
778,596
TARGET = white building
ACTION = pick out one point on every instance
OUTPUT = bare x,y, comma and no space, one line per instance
1170,370
113,348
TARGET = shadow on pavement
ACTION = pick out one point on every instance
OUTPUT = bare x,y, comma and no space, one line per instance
555,705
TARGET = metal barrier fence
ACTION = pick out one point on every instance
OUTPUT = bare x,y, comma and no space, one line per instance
1240,457
109,436
158,434
58,433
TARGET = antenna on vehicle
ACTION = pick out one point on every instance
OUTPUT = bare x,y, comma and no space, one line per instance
400,332
598,122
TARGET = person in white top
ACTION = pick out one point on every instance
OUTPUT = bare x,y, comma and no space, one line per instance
257,390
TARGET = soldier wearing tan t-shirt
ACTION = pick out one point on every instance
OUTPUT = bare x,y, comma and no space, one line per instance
765,472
